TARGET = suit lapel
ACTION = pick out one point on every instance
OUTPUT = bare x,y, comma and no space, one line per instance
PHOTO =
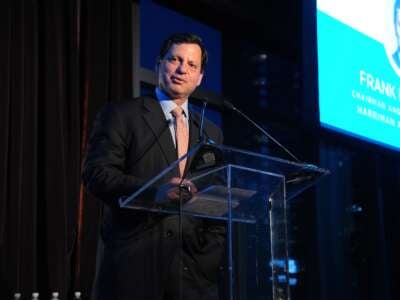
155,119
193,128
194,124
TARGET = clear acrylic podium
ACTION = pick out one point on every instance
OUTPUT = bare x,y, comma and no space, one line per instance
248,192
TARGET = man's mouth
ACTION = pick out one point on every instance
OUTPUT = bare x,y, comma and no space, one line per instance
177,80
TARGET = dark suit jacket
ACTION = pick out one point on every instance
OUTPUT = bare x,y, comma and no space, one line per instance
131,143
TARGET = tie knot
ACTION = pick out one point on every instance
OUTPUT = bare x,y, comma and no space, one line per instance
177,112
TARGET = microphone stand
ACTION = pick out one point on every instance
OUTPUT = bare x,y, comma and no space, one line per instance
201,130
232,107
294,178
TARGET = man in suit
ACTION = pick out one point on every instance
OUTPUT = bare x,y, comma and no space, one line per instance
131,142
396,18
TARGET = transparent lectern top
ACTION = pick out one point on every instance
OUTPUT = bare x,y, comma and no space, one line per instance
225,179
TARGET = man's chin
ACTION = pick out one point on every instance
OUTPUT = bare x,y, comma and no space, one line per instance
177,94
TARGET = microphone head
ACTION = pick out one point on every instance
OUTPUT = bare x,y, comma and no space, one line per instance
228,104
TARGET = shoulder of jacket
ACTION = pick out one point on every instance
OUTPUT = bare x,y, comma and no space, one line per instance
127,105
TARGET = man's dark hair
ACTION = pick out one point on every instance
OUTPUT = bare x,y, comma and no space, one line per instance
184,38
396,8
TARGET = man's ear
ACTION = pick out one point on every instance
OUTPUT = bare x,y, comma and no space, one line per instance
200,78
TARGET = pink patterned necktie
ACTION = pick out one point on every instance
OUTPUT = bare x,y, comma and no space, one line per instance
181,136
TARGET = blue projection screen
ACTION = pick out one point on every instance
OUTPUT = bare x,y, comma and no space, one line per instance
359,69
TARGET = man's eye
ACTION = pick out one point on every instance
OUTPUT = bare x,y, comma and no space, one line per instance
193,66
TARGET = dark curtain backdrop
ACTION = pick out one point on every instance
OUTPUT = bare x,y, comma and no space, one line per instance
60,61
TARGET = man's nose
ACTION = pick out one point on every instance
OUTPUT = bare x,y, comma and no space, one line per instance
182,68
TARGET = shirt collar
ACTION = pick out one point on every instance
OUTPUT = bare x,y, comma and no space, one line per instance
167,104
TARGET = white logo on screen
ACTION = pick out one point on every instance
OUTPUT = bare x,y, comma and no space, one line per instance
390,39
374,18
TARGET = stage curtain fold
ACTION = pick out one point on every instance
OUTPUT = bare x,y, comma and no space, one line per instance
60,61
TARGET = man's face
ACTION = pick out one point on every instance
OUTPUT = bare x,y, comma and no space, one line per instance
179,72
397,27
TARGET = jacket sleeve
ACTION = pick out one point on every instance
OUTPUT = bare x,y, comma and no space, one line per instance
104,168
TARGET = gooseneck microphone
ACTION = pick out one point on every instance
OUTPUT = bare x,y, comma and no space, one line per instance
201,127
229,105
